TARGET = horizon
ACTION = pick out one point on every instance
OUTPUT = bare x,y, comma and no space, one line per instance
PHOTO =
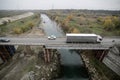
56,9
63,4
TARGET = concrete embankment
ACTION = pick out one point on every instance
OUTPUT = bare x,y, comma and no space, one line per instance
14,18
107,69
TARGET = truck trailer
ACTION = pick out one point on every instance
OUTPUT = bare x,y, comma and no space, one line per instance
83,38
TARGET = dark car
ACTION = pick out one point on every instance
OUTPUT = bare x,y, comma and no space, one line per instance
4,40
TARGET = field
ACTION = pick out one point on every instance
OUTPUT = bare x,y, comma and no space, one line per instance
19,26
105,23
8,13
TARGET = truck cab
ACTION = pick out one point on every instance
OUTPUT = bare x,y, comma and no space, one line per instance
99,38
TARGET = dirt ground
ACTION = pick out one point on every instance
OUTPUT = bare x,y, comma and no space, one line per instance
28,62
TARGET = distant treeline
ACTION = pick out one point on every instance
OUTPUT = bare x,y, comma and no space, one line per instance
96,12
7,13
105,23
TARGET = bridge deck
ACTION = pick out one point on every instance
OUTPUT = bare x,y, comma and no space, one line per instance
78,46
60,43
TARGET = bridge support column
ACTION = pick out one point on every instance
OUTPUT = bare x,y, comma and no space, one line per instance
2,57
100,54
104,53
48,55
45,55
4,54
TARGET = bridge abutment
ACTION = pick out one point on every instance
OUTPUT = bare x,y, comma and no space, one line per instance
98,54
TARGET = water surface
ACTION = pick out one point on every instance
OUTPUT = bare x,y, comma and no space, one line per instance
71,63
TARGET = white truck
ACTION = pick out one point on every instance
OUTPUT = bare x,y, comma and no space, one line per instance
83,38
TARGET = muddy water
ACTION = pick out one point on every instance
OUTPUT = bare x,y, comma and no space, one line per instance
71,63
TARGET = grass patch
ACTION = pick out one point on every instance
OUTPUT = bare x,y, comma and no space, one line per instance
20,26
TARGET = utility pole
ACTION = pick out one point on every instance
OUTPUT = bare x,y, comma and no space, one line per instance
52,6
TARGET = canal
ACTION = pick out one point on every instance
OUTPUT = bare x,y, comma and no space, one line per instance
71,63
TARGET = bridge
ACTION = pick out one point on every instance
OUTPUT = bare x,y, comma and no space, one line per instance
60,43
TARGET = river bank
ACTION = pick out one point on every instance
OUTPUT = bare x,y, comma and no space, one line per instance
94,75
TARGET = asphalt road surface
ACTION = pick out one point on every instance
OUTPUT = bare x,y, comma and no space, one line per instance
60,43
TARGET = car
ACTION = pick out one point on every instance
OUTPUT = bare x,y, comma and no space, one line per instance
4,40
51,37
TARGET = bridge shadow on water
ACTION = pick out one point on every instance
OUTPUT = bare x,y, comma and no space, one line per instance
72,66
71,71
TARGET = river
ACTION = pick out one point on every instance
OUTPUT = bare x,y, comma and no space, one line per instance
71,63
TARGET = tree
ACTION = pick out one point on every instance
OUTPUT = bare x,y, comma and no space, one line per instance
67,19
108,24
116,21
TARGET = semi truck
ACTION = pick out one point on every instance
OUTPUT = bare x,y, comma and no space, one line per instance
83,38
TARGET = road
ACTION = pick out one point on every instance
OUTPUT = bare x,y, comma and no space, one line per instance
60,43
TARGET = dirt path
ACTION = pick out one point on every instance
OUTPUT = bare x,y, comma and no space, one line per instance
14,18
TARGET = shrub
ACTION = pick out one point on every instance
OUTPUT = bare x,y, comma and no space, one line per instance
75,30
31,25
17,30
24,29
108,24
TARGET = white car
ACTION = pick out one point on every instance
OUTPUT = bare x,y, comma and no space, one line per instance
51,37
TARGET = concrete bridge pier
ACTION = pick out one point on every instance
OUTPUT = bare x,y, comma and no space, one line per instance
2,57
47,55
104,53
100,54
4,54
